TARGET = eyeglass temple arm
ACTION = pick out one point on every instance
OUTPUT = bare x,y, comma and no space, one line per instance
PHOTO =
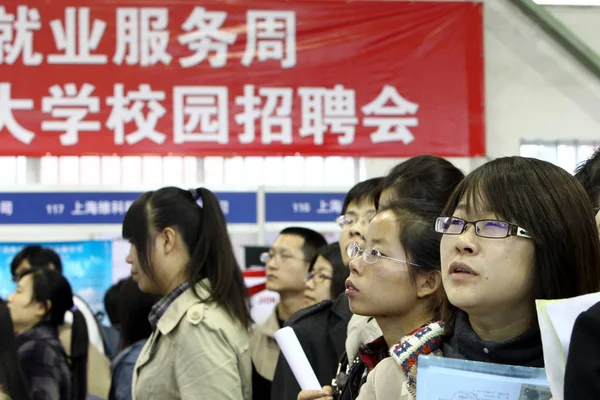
518,231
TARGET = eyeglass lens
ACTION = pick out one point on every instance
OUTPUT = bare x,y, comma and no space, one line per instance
485,228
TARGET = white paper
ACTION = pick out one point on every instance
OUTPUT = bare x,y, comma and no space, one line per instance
563,314
557,318
295,357
554,357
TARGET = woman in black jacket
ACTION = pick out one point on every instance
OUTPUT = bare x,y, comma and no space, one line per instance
12,383
38,308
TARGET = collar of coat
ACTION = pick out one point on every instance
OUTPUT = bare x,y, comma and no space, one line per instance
182,304
270,325
426,340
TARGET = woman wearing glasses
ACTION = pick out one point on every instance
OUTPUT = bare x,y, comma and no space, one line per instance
515,230
394,277
326,278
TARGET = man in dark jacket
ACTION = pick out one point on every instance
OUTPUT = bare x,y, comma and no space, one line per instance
582,374
322,328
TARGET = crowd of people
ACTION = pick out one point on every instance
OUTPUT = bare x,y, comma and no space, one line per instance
428,262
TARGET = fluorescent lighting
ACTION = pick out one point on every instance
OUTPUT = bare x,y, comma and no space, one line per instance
568,2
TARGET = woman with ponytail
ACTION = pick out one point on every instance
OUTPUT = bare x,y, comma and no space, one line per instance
200,344
12,383
38,309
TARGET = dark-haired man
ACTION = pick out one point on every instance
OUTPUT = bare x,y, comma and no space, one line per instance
286,266
322,329
22,260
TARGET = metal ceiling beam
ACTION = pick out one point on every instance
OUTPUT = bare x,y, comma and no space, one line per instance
559,32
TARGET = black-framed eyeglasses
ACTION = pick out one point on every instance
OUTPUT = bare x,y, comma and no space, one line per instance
267,256
487,228
370,255
318,278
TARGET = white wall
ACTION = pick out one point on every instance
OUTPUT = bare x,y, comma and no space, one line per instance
534,89
582,21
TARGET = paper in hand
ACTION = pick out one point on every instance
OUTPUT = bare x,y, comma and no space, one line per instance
295,357
556,319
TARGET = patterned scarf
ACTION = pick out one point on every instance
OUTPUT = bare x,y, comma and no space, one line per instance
425,340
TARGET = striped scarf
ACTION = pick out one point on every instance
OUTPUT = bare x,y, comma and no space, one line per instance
425,340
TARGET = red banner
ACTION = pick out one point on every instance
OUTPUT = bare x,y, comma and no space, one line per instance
251,78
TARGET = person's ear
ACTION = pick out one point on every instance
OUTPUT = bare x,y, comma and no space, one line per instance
43,309
428,283
51,267
169,237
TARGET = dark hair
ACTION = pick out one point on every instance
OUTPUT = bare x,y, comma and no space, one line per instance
420,242
134,308
313,241
424,177
11,377
553,208
368,190
26,253
112,302
588,174
51,286
340,272
204,232
45,257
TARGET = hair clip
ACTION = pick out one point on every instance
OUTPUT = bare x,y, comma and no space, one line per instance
194,193
197,197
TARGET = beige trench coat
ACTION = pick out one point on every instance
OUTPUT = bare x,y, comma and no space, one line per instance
265,350
196,352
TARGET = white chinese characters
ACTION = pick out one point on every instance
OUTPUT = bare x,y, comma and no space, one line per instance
392,121
7,119
275,116
271,36
74,38
16,36
224,206
71,106
328,109
6,208
142,36
99,207
200,114
130,107
204,35
332,206
204,114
